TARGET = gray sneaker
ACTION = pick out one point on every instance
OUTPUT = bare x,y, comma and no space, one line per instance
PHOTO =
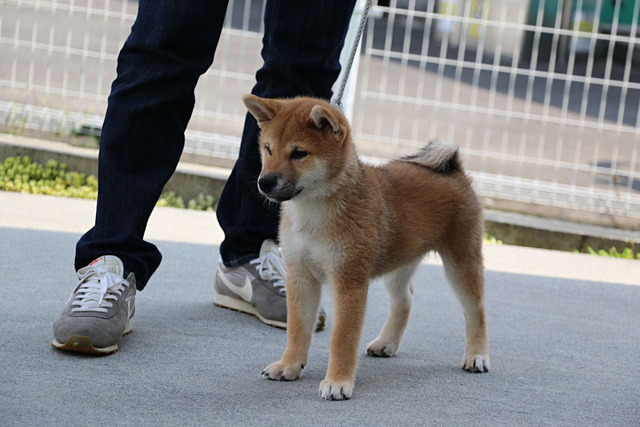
98,312
258,288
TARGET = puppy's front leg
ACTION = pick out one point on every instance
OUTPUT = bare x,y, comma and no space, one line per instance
303,301
350,300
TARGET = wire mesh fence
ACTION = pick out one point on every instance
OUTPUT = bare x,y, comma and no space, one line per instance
542,95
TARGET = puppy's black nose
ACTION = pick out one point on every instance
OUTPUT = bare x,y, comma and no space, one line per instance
267,183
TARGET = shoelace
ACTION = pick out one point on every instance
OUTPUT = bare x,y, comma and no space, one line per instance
96,289
271,268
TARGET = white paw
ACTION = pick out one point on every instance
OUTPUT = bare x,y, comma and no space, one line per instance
477,363
336,390
280,372
380,348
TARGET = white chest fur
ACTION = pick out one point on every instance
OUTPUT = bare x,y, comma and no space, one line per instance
306,243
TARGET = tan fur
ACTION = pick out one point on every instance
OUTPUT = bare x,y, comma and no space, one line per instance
344,222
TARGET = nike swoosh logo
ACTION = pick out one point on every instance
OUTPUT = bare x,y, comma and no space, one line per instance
245,292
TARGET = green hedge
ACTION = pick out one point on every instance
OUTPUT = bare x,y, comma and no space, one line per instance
23,175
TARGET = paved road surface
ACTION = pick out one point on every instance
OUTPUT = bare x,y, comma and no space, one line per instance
563,328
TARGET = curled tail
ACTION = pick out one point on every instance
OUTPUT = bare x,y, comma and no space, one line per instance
438,155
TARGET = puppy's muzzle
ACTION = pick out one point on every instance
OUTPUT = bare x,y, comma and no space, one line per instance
275,187
267,183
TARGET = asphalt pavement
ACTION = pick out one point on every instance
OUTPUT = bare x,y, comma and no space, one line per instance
563,329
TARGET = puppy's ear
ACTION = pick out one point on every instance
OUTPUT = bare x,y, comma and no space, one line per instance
262,109
324,117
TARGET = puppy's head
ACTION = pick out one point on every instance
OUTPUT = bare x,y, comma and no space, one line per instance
303,145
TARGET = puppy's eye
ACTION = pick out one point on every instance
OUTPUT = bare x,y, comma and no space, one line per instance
268,149
298,154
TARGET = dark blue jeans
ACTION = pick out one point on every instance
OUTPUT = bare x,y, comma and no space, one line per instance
171,45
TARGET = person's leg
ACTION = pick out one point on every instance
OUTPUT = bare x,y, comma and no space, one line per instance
301,51
170,46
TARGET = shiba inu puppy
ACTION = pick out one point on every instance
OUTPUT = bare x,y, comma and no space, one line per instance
344,222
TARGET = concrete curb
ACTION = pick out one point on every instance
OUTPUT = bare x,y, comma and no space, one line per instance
546,233
192,179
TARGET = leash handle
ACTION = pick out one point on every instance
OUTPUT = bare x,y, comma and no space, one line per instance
337,101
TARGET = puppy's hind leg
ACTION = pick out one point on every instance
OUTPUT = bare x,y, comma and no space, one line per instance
400,288
465,272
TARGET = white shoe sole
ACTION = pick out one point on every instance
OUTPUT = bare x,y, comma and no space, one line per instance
83,344
244,307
